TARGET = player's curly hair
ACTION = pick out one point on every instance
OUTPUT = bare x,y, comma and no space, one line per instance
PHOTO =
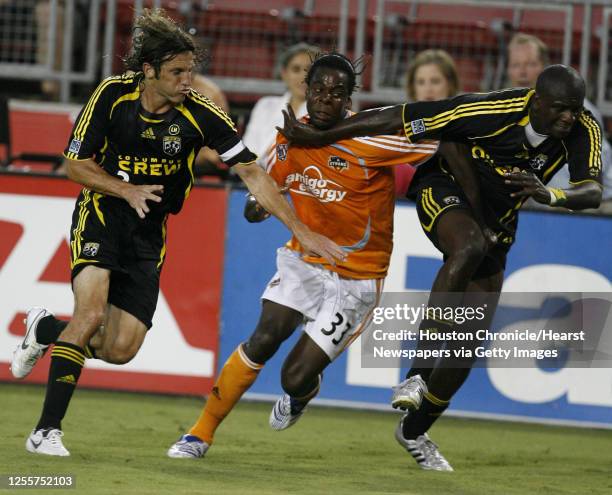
156,38
335,60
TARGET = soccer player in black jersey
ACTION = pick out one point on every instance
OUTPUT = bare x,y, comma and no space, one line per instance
132,148
517,139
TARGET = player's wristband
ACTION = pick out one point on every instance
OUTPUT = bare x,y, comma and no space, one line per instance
557,196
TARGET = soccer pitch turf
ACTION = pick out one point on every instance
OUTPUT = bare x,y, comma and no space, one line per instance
118,443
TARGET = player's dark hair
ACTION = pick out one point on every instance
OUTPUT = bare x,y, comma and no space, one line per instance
335,60
156,38
560,79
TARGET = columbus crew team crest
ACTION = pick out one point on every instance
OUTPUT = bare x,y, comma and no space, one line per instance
172,145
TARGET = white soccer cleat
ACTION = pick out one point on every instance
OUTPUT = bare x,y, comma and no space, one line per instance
28,352
423,450
285,413
188,447
48,442
408,395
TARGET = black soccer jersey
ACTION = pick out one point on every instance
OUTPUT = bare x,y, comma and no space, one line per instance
143,148
493,124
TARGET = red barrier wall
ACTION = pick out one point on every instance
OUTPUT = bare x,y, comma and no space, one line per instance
180,352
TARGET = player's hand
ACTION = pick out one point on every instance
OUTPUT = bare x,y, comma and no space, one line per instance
529,184
318,245
297,132
253,211
137,197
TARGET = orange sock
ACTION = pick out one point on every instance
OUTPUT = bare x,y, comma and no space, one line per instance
236,377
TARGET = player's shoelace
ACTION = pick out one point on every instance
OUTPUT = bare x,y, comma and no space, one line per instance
409,387
192,448
430,449
55,437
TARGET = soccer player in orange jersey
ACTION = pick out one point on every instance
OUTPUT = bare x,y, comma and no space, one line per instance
516,140
345,191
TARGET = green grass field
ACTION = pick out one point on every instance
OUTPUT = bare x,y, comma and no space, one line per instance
118,443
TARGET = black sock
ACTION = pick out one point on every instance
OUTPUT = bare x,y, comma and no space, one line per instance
49,329
424,366
419,421
66,364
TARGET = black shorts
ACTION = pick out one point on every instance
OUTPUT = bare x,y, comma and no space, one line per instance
438,193
107,232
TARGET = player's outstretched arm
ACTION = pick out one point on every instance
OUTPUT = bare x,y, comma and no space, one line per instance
387,120
263,187
579,197
89,174
253,211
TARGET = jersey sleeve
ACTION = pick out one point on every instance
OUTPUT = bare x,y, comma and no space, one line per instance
380,151
219,133
465,116
277,164
92,124
584,150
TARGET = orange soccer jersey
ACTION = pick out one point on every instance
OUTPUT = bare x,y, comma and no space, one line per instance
345,191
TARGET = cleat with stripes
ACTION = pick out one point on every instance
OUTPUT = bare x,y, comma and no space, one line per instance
188,447
423,450
408,395
285,413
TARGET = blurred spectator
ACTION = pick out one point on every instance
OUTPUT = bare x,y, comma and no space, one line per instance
431,76
208,161
260,134
527,57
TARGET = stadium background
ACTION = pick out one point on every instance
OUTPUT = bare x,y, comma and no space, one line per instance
216,268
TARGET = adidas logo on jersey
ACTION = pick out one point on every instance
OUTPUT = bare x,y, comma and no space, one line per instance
148,133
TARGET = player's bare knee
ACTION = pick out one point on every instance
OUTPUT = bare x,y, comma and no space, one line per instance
470,253
262,345
120,354
122,349
270,333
